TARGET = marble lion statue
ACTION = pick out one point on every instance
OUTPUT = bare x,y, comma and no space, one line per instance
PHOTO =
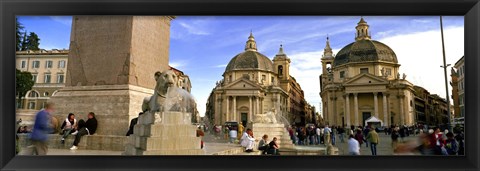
164,80
268,117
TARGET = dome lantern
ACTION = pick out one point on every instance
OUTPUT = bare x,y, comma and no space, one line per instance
251,44
362,30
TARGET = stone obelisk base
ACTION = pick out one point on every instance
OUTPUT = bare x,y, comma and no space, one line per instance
114,105
273,130
173,134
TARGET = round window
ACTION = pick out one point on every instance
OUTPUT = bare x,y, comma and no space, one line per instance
46,94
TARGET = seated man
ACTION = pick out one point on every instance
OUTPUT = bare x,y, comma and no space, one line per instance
85,128
248,140
133,122
263,144
273,149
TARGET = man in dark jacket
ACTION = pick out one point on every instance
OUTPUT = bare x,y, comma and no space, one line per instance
85,128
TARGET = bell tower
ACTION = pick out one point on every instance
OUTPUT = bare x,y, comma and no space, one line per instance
281,62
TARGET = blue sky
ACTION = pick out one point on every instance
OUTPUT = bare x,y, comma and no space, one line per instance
201,46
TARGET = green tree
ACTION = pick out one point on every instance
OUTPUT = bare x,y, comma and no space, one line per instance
32,42
24,42
24,83
19,27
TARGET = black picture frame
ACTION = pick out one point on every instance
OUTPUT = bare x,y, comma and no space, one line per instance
10,8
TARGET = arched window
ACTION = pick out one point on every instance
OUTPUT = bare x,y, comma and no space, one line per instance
33,94
280,70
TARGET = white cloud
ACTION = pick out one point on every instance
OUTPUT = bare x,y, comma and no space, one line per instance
65,20
178,64
221,66
193,29
420,56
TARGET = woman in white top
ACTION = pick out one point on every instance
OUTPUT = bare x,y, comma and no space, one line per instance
353,146
69,126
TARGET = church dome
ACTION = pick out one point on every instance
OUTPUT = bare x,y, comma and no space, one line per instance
365,51
250,59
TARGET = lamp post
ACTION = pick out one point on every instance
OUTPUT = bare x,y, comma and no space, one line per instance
445,72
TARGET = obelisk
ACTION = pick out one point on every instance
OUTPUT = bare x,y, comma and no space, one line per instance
111,68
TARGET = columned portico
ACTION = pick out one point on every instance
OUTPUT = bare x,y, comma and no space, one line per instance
355,104
258,105
385,109
250,110
347,109
402,115
227,118
375,103
234,108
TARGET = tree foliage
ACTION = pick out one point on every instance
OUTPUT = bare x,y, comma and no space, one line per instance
19,28
32,42
24,83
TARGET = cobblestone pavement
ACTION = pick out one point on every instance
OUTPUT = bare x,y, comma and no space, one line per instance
212,145
384,146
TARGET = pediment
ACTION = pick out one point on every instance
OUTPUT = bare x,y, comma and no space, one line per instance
365,79
242,84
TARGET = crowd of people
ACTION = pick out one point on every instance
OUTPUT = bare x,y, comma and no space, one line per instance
236,134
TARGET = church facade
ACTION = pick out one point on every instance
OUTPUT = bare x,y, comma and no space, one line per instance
362,81
254,84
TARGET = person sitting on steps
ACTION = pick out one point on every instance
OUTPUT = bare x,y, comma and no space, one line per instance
69,126
263,144
85,128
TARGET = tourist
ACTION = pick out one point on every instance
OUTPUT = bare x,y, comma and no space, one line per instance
22,129
353,146
85,128
68,126
200,134
318,135
322,135
341,133
301,136
402,133
451,145
226,131
133,122
461,146
436,141
233,135
273,147
365,133
263,144
326,134
292,134
425,147
394,135
333,134
248,141
41,128
240,130
311,135
359,137
373,139
217,129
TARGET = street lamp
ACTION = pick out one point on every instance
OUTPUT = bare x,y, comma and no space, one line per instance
445,72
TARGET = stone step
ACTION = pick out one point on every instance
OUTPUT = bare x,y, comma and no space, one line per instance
88,142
